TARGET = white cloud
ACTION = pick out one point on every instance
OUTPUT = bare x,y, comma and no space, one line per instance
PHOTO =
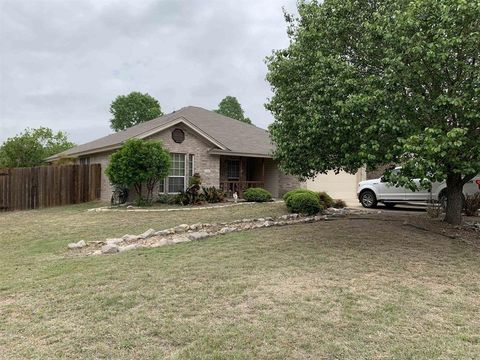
63,62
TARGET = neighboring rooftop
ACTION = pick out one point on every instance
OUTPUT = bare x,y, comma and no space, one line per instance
227,134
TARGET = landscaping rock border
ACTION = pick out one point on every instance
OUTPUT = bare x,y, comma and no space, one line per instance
185,232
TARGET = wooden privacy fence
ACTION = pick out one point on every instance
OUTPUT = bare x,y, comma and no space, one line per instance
45,186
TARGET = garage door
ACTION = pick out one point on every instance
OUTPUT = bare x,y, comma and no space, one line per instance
339,186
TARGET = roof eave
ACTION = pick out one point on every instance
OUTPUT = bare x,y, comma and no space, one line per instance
239,153
87,152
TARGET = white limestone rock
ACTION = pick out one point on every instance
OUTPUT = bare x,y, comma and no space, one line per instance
226,230
198,235
113,241
195,227
147,234
162,242
179,239
129,247
181,228
130,237
77,245
110,249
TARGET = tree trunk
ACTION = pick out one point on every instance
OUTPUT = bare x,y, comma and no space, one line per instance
138,190
454,200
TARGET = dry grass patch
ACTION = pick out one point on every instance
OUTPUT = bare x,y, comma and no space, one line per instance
350,289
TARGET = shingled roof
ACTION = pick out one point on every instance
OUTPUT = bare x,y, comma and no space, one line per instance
227,135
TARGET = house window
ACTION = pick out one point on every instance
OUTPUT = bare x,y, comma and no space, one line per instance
161,186
233,169
176,184
191,165
176,179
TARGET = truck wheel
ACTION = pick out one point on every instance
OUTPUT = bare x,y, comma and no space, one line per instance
368,199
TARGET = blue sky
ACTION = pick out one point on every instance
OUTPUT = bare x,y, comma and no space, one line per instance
63,62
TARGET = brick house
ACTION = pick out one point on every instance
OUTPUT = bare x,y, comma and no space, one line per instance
227,153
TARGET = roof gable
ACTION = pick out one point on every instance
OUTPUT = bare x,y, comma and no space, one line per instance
188,124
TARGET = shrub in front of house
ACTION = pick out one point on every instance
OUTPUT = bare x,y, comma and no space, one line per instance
139,163
297,191
325,200
181,198
168,199
192,194
142,202
304,203
213,195
257,195
339,204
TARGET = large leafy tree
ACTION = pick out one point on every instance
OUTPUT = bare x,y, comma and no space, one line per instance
31,147
370,82
132,109
230,107
137,163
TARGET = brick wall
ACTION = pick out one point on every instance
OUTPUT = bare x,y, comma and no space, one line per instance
208,166
287,183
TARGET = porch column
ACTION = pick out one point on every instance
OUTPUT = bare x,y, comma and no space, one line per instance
240,177
263,172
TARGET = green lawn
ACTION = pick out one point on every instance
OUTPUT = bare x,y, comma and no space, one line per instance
346,289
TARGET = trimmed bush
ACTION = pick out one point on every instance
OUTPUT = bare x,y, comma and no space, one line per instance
325,199
257,195
304,203
339,204
297,191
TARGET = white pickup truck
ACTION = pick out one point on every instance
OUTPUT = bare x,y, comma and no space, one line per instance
372,192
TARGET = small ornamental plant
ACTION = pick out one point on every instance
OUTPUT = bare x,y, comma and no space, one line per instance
297,191
325,200
304,203
138,163
257,195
